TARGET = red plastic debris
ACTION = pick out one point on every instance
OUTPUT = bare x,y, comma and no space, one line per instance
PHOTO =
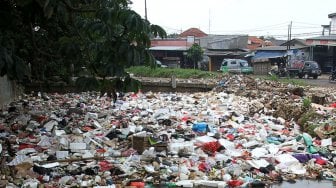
320,161
211,147
105,166
235,183
137,184
24,146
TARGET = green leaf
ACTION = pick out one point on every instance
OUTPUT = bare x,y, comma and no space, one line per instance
87,83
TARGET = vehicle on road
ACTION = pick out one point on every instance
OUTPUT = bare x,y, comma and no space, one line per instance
236,66
159,64
304,69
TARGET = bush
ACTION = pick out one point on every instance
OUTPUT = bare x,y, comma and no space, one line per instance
144,71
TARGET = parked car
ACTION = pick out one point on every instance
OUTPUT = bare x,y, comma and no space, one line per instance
305,70
159,64
236,66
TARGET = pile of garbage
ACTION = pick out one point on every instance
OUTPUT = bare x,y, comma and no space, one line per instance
233,136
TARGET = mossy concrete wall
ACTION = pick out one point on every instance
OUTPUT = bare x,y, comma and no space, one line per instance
9,91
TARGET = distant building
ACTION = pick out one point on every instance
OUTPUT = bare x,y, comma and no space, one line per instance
332,23
254,42
323,48
197,33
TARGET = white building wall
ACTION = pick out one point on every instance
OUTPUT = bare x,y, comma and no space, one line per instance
333,25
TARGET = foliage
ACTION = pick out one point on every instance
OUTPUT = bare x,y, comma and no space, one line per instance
102,35
306,103
173,35
195,53
293,81
143,71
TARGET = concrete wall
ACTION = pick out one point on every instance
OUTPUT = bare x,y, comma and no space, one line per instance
9,91
333,25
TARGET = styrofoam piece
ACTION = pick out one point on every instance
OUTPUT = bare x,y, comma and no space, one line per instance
205,139
44,141
87,154
51,165
324,142
272,148
50,125
59,132
176,146
31,183
259,152
97,124
251,144
185,183
26,151
221,157
258,163
297,169
206,183
91,116
286,159
62,154
18,160
276,127
77,146
233,152
227,144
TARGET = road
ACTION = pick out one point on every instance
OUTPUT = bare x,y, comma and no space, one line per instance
322,81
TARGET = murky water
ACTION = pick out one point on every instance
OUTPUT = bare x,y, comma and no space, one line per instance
306,184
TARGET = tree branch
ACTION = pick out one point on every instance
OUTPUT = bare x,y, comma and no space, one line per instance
35,45
77,9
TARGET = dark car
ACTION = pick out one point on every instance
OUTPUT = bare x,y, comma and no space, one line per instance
310,69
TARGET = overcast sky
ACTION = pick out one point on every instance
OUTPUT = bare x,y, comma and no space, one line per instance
253,17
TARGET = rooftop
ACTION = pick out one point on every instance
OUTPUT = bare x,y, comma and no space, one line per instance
332,15
193,32
324,37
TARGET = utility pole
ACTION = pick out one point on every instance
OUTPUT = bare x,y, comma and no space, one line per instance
290,34
209,21
146,10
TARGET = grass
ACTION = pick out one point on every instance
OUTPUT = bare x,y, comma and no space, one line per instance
143,71
285,80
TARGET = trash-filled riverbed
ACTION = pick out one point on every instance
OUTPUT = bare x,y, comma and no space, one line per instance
244,133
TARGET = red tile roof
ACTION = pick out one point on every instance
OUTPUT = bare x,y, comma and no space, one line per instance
193,32
255,42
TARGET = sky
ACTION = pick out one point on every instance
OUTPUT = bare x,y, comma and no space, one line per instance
252,17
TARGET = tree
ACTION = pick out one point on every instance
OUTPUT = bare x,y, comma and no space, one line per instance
195,54
102,35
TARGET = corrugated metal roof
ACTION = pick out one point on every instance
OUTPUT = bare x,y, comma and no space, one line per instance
274,48
265,55
325,37
169,48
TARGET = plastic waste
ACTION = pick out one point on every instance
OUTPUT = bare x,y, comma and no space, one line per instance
308,140
201,127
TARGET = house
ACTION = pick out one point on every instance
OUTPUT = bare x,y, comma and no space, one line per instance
197,33
173,52
323,48
170,52
254,42
219,47
264,57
